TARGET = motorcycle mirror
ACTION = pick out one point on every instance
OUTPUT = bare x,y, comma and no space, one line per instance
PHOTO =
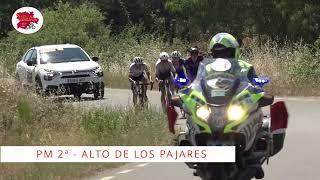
261,81
30,63
266,100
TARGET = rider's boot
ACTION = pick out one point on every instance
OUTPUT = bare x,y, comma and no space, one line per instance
259,173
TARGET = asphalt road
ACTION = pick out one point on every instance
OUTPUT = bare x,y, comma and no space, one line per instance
298,160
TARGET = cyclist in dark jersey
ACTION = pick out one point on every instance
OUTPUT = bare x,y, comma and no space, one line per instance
192,63
179,65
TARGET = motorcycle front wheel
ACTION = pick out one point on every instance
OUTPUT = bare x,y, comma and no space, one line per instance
212,171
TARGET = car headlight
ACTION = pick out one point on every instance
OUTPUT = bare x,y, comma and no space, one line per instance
49,74
203,113
235,113
98,71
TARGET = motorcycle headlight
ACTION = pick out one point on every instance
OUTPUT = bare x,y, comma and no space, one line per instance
203,113
98,71
235,113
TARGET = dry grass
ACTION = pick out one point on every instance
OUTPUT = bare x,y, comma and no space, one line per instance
285,65
27,119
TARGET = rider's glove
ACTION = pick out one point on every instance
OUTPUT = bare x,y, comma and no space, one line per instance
134,83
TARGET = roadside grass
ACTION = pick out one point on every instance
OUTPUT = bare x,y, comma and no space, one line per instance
27,119
294,69
53,171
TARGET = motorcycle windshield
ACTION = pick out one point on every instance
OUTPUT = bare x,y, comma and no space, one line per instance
218,79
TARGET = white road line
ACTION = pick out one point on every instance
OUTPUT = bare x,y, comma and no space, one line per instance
141,165
107,178
125,171
298,99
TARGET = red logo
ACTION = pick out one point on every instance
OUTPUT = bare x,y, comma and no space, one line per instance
27,20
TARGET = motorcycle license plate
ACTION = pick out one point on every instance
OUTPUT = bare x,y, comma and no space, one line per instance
76,80
215,93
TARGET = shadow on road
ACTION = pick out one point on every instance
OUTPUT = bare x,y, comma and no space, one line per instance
66,99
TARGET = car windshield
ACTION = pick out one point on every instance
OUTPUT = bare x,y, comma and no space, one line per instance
61,55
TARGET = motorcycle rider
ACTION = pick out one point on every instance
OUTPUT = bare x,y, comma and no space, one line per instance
179,64
139,72
192,63
224,45
164,71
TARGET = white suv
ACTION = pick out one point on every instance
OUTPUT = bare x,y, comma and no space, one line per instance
61,69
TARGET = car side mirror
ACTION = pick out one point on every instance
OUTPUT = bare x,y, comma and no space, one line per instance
94,58
29,63
266,100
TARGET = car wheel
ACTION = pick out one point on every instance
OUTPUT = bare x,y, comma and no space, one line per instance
38,87
77,95
99,91
102,91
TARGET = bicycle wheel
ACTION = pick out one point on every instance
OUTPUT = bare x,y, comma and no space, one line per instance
168,93
135,92
141,94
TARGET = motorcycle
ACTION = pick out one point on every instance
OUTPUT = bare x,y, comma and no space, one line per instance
224,109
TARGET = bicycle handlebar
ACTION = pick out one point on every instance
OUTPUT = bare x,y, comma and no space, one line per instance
151,87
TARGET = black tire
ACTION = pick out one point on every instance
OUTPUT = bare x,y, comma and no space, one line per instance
77,95
96,94
134,94
38,87
142,96
134,98
213,171
99,92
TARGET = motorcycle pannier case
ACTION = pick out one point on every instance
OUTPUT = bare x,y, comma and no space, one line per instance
279,123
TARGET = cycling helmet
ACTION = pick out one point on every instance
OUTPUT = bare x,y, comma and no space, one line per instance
224,45
193,50
164,56
138,60
176,54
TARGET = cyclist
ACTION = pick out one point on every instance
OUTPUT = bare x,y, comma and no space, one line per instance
139,72
164,71
192,63
179,65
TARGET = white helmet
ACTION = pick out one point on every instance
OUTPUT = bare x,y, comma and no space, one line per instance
138,60
176,54
164,56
